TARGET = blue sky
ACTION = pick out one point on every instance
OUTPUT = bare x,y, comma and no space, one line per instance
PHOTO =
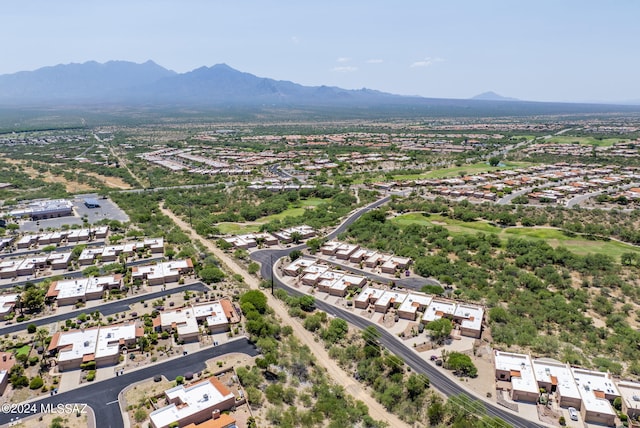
543,50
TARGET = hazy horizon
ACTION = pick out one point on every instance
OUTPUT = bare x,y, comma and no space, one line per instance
575,51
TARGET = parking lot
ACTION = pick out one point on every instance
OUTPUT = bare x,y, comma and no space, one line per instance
107,210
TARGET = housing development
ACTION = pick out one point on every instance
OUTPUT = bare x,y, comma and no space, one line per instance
215,249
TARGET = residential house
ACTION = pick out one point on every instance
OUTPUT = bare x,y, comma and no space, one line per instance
193,404
517,369
597,391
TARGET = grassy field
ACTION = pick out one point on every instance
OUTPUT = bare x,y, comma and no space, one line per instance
574,244
237,228
311,202
24,350
553,237
591,141
454,226
456,171
296,209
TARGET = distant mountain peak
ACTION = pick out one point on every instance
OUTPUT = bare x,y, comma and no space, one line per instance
492,96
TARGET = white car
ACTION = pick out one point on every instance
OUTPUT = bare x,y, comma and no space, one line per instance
573,413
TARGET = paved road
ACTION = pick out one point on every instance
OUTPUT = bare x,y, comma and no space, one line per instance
577,200
440,381
106,309
267,257
102,396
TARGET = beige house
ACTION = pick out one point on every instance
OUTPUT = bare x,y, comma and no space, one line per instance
193,404
517,369
72,291
630,395
162,273
100,344
597,391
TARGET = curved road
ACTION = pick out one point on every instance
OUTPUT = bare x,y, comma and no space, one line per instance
439,380
102,396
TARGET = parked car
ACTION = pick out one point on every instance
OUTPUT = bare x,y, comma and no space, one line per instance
434,357
573,413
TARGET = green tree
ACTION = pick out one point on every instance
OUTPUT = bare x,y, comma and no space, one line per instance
494,161
436,411
314,322
371,335
41,335
295,254
307,303
254,396
91,271
57,422
416,385
336,331
461,364
36,383
314,244
253,268
256,298
33,297
211,274
140,414
296,237
440,329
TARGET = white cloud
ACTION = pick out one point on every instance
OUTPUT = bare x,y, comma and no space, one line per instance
345,69
375,61
344,59
428,61
295,40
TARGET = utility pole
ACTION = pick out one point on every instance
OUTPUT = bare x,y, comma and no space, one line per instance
272,270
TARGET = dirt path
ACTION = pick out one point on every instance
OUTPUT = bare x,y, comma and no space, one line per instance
123,163
339,376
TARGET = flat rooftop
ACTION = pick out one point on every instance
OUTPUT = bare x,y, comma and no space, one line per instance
369,292
193,399
75,344
556,373
213,311
111,337
413,301
593,386
437,309
630,394
391,297
470,315
519,365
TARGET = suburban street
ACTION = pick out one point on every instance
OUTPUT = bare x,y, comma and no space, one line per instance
105,309
438,380
102,396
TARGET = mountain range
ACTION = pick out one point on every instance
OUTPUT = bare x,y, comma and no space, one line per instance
117,82
492,96
149,85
